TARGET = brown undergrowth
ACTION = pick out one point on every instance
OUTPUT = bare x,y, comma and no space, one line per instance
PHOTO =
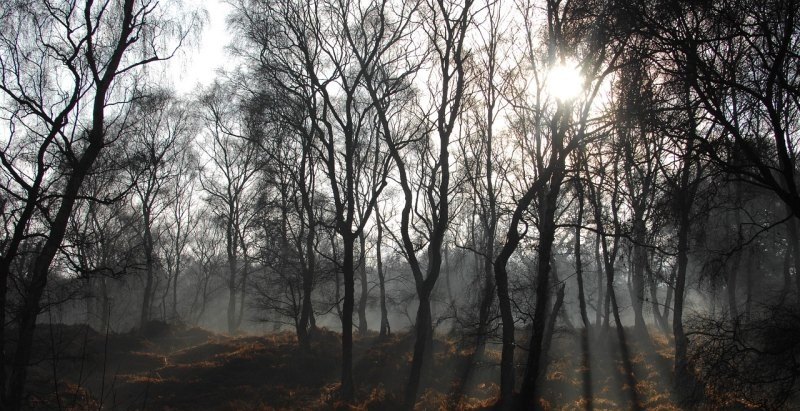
179,368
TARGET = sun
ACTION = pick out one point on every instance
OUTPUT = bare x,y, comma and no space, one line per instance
564,81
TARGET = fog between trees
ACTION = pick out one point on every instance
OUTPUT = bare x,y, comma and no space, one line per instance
412,166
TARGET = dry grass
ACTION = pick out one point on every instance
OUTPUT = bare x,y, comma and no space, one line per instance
272,372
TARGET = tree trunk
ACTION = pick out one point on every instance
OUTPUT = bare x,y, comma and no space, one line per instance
658,316
232,247
41,265
487,299
670,291
578,261
551,327
681,366
362,271
423,344
513,238
748,270
348,271
730,288
243,291
684,378
105,310
385,330
639,261
547,228
599,284
175,287
507,371
149,268
306,310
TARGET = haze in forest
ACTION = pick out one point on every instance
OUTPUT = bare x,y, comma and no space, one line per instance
399,204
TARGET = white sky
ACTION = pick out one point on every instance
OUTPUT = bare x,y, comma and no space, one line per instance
199,63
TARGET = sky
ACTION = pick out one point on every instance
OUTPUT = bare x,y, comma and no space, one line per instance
198,64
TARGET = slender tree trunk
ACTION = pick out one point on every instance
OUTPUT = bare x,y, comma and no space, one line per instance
599,281
423,345
338,295
41,265
175,288
639,261
550,328
658,316
487,300
309,263
243,291
385,329
105,310
513,238
232,247
507,371
730,288
670,291
547,228
362,271
306,311
149,268
787,274
578,260
684,378
348,272
682,372
748,270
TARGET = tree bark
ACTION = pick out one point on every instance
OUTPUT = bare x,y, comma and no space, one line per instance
385,329
232,251
513,238
148,267
362,271
578,260
547,229
348,272
41,265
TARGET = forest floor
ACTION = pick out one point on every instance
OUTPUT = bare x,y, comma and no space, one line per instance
178,368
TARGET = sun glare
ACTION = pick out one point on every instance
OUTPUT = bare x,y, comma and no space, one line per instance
564,81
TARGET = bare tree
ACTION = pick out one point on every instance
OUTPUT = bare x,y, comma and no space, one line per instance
156,153
229,181
206,250
67,68
390,77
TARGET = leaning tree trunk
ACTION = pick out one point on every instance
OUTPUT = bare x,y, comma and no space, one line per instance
41,265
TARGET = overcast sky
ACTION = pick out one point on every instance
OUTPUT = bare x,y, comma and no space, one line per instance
199,63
